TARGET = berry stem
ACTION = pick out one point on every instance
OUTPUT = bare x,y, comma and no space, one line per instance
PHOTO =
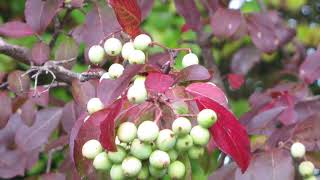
170,49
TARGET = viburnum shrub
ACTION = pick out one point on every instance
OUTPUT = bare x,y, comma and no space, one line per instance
226,91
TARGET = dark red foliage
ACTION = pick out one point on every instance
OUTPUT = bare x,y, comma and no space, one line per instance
6,108
158,82
235,80
193,73
245,59
189,11
16,29
310,68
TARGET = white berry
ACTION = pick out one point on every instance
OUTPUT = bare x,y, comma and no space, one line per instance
298,150
140,150
137,57
189,59
113,46
137,94
104,76
176,170
181,126
96,54
142,41
139,80
102,162
115,70
91,149
166,140
173,154
306,168
184,143
195,152
131,166
157,172
116,172
200,135
148,131
144,173
94,105
127,132
126,50
117,156
206,118
159,159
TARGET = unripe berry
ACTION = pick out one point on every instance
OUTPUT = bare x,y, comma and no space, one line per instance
189,59
140,149
184,143
206,118
298,150
157,172
166,140
104,76
142,41
200,135
173,154
137,94
102,162
94,105
159,159
137,57
306,168
96,54
113,46
126,50
139,80
115,70
127,132
176,170
144,173
116,172
195,152
91,149
131,166
148,131
118,156
181,126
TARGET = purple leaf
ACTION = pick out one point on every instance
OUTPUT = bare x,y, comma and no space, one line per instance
53,176
158,82
146,7
77,3
83,92
310,68
6,108
71,112
68,49
12,163
40,96
193,73
189,11
226,172
40,53
28,112
157,61
244,60
15,29
18,83
7,134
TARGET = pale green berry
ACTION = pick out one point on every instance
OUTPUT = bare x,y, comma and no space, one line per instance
173,154
157,172
148,131
140,150
142,41
104,76
102,162
96,54
91,149
115,70
117,156
67,1
137,94
310,178
126,50
137,57
166,140
306,168
139,80
189,59
159,159
180,107
206,118
181,126
94,105
176,170
131,166
144,173
200,135
298,150
184,143
113,46
116,172
127,132
195,152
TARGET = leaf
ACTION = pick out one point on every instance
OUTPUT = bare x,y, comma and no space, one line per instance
77,3
15,29
18,83
193,73
208,90
146,7
235,80
12,163
68,49
40,96
8,133
40,53
189,11
53,176
82,92
228,134
245,59
30,138
6,108
158,82
226,172
71,113
158,61
310,68
28,112
128,14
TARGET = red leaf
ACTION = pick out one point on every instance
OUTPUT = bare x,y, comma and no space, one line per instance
193,73
208,90
188,9
15,29
310,68
228,134
245,59
128,14
158,82
235,80
6,108
40,53
185,28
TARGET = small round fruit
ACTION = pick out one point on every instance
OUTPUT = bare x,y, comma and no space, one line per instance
139,81
189,59
116,172
166,140
137,57
206,118
156,172
118,156
200,135
104,76
113,46
298,150
137,94
148,131
195,152
115,70
173,154
176,170
96,54
94,105
127,132
102,162
159,159
181,126
131,166
306,168
91,149
126,50
140,149
144,173
142,41
184,143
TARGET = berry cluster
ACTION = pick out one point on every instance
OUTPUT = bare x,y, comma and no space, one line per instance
146,151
